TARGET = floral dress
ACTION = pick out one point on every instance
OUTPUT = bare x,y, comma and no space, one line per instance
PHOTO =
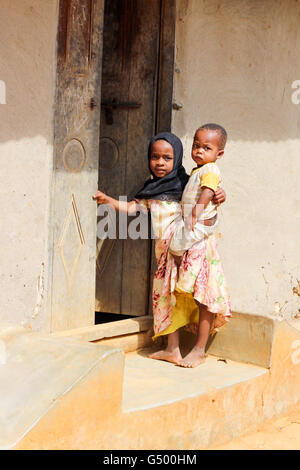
200,277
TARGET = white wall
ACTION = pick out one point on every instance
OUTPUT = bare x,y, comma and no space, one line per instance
235,63
27,58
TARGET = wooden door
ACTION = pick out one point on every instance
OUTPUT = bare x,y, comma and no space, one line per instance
131,53
76,142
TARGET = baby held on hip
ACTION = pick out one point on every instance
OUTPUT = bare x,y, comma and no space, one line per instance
199,210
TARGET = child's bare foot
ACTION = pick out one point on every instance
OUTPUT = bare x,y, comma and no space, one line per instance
195,357
169,356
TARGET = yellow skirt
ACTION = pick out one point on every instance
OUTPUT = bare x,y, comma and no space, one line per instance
183,313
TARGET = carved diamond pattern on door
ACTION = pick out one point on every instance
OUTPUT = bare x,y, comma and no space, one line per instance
71,243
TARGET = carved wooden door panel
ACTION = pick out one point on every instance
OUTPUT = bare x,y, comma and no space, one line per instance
76,143
129,95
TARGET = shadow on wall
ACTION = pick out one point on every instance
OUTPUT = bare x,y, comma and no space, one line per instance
237,63
242,73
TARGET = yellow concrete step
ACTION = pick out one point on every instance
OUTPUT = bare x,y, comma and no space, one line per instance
60,393
149,383
39,373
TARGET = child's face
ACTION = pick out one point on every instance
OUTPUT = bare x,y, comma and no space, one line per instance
162,158
206,147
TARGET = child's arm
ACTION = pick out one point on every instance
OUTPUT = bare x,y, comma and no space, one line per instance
120,206
208,181
206,196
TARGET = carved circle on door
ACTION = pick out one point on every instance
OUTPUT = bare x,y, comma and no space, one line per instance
74,155
109,153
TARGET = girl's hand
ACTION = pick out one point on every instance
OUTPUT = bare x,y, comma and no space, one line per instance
219,197
100,197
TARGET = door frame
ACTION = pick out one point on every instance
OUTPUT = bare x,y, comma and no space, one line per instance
164,105
166,66
72,213
163,123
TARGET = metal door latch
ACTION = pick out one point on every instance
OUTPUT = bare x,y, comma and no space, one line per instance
110,106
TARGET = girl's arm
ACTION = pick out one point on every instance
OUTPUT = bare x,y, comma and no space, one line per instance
219,196
120,206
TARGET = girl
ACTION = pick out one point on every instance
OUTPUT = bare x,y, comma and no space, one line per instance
161,195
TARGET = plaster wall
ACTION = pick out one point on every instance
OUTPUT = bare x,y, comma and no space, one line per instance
27,67
235,65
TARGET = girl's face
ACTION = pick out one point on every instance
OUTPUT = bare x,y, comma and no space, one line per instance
162,158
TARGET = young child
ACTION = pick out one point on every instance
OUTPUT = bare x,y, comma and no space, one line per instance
161,195
198,210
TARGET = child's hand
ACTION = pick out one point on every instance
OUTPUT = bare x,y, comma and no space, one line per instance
100,197
219,196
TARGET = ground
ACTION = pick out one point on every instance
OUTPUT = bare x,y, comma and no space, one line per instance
277,434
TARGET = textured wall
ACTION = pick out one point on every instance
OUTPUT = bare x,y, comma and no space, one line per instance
235,64
27,57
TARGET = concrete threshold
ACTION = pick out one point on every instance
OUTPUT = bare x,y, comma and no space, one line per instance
108,330
149,383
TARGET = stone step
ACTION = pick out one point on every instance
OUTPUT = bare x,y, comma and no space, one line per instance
38,372
62,393
149,383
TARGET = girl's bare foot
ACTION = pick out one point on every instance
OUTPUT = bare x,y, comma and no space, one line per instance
195,357
169,356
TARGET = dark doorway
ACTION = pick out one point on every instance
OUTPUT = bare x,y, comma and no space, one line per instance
137,73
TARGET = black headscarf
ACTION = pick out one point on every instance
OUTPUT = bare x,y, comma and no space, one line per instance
171,186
